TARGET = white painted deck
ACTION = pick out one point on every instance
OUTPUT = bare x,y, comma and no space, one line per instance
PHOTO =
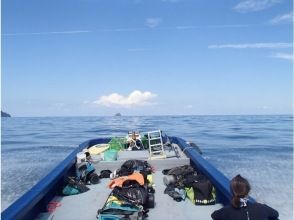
85,206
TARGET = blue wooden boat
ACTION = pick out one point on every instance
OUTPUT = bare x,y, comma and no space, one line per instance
34,203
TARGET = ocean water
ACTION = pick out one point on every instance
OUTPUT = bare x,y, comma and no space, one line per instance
257,147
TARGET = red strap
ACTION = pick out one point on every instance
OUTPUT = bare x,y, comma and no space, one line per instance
52,206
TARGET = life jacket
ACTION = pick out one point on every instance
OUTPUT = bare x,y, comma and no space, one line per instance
200,190
138,177
141,166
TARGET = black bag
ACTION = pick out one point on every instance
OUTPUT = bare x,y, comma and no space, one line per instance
176,193
74,187
130,166
203,190
105,174
180,174
86,173
135,195
181,171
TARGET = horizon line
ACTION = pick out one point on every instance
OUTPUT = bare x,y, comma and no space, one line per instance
71,116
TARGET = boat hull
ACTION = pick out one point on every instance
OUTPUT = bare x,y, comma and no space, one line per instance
36,199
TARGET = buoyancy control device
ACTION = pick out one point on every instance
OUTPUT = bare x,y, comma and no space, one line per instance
85,171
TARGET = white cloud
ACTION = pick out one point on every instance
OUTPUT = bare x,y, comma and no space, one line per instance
254,5
150,23
254,45
153,22
189,106
285,56
285,18
135,98
188,27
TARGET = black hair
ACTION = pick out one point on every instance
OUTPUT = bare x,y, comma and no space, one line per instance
240,188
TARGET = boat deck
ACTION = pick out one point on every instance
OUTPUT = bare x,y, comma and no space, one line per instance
85,205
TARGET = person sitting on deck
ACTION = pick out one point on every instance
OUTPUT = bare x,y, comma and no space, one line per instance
134,141
241,208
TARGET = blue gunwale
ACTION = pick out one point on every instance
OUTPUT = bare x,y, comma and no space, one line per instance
218,179
36,199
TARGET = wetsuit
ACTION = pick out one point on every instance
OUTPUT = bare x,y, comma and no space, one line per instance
253,211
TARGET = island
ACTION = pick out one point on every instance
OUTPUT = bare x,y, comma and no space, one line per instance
4,114
117,114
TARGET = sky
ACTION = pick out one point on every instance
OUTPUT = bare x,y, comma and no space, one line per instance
146,57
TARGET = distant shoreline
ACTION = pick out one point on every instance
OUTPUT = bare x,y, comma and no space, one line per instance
5,115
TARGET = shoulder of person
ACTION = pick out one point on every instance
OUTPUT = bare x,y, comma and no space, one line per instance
221,213
260,205
272,212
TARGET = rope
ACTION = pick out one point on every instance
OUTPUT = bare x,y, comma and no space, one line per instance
187,148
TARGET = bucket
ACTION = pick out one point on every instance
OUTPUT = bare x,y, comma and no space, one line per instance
116,143
81,157
145,142
87,153
110,155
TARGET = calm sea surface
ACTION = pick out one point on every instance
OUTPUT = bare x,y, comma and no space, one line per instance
258,147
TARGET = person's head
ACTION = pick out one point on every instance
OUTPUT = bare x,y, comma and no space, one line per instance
134,135
240,188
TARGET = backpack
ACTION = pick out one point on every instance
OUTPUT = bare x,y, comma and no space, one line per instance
128,167
177,175
135,195
119,211
181,171
85,172
74,187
